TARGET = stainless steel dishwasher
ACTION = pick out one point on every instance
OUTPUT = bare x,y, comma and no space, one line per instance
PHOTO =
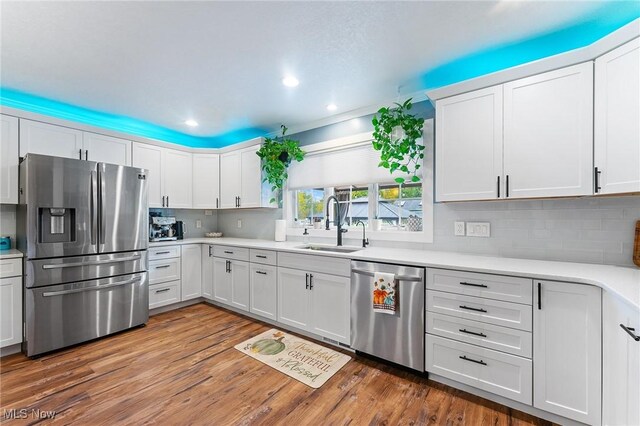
397,337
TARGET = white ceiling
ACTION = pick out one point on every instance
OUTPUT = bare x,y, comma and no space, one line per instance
221,63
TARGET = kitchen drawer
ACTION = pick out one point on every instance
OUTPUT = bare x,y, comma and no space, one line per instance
315,263
509,289
504,339
168,252
496,372
229,252
164,270
11,267
514,315
266,257
164,294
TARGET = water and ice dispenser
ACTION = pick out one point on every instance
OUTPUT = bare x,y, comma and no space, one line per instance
56,225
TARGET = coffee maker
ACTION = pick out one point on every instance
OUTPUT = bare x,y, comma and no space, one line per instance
163,228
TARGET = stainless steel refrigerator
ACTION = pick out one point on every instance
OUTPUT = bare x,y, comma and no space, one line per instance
83,227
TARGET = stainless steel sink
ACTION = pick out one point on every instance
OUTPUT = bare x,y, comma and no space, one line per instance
334,249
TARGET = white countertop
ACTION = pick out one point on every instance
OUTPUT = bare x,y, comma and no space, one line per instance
620,280
10,254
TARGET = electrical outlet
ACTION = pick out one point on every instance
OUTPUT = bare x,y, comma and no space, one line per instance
198,223
239,223
458,229
208,212
478,229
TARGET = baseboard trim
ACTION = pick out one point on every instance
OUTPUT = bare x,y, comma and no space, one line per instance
10,350
175,306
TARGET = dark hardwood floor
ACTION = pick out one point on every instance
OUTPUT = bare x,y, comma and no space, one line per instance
182,369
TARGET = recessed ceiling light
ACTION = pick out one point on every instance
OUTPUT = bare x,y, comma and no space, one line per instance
191,123
290,81
332,107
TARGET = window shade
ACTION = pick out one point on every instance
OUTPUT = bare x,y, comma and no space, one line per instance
349,165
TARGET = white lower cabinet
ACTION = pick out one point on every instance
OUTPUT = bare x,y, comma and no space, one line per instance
315,302
263,286
620,362
496,372
207,271
165,273
191,272
10,311
567,345
231,282
164,294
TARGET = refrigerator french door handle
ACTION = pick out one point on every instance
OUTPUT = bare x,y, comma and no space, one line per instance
94,208
81,290
102,218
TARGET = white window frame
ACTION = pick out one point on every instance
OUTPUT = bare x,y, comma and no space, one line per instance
424,236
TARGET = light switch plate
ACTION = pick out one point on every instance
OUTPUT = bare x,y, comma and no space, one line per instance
198,223
239,223
478,229
458,229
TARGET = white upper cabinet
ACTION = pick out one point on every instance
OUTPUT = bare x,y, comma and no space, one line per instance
241,180
150,157
567,345
9,159
206,181
548,134
176,179
230,176
107,149
617,120
169,177
469,146
250,178
49,139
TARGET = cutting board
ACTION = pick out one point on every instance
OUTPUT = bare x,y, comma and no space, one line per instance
636,246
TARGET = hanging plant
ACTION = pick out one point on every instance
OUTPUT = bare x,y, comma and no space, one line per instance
276,154
396,134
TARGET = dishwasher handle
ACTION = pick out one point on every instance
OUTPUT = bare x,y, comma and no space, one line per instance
398,277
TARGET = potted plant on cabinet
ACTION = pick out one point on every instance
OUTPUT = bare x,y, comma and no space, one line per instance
277,154
396,134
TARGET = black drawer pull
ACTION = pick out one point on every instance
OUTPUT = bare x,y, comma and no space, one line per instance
473,285
162,266
163,252
472,309
464,357
261,256
631,332
228,252
462,330
164,290
261,272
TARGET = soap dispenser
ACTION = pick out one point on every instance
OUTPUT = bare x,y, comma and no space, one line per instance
305,236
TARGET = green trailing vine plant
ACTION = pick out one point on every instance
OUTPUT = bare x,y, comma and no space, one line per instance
276,154
396,133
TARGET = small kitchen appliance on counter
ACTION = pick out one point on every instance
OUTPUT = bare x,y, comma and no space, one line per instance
165,228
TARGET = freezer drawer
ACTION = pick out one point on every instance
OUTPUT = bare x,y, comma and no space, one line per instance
44,272
398,338
63,315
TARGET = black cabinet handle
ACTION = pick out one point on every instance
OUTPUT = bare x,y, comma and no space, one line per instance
162,266
228,252
80,153
210,251
464,357
498,186
261,256
163,290
163,201
167,201
239,202
472,309
473,285
310,281
261,272
163,252
596,180
307,281
631,332
539,296
86,154
463,330
217,203
507,189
